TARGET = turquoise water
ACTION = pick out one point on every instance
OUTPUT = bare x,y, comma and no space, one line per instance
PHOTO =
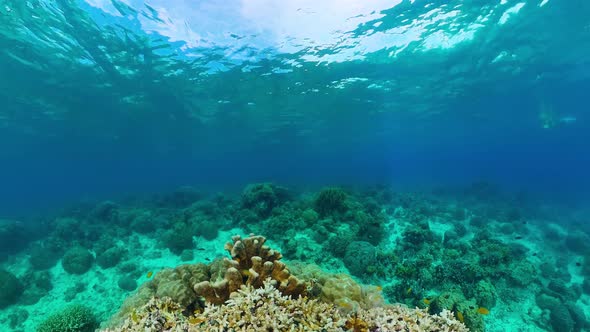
435,120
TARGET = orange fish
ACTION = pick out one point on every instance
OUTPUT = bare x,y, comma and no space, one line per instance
426,301
149,274
483,311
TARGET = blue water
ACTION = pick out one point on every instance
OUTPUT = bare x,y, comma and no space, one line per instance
103,100
108,100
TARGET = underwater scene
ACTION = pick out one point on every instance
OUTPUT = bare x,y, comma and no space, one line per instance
294,165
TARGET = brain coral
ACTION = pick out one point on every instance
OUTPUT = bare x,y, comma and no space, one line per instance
77,260
10,288
359,256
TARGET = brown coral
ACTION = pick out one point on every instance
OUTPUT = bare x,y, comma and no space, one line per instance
157,315
176,284
252,262
266,309
256,292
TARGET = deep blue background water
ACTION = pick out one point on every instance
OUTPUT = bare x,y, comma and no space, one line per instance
485,127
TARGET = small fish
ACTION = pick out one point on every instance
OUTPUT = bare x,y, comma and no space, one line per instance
409,290
460,317
483,311
201,249
535,254
149,274
196,320
208,259
379,288
518,237
578,264
568,119
426,301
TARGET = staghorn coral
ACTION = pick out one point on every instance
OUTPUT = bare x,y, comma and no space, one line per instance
255,292
74,318
252,262
400,318
266,309
157,315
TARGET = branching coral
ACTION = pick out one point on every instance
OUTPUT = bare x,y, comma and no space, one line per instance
400,318
266,309
254,291
75,318
157,315
252,262
330,200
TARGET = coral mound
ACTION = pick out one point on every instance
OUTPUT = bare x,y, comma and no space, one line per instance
266,309
74,318
254,291
254,262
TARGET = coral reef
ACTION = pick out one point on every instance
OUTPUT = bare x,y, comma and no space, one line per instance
262,198
253,262
45,254
179,237
14,236
74,318
156,315
400,318
348,295
329,201
127,283
176,284
359,256
10,288
110,257
266,309
77,260
254,291
444,251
